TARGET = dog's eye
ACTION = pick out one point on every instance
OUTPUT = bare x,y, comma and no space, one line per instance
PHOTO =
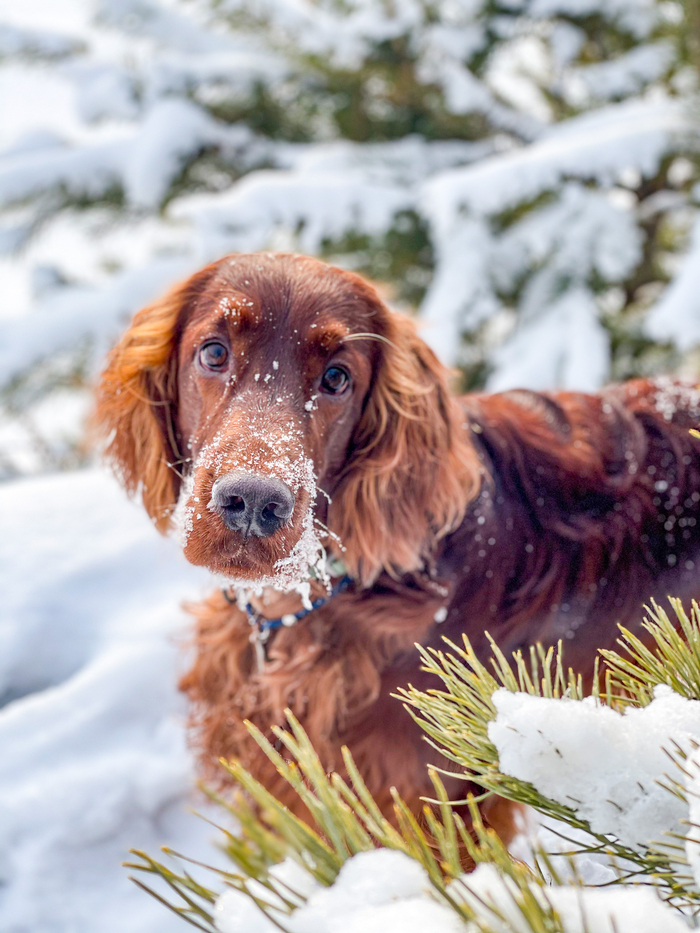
335,380
213,356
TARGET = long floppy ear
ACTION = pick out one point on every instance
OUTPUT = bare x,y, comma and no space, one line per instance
136,403
411,470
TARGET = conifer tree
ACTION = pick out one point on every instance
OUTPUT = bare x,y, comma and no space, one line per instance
522,174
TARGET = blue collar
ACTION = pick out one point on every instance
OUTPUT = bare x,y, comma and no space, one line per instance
265,626
262,627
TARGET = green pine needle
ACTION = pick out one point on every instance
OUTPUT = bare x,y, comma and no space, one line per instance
346,820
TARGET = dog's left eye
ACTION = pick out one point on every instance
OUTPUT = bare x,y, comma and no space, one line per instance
213,356
335,380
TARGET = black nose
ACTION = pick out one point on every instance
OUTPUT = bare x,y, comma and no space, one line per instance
253,505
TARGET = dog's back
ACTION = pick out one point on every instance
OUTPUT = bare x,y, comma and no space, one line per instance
589,508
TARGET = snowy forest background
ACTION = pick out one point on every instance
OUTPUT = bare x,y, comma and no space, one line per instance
522,174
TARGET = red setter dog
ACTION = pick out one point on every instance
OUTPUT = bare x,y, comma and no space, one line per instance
272,403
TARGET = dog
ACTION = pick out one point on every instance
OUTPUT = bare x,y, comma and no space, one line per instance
303,440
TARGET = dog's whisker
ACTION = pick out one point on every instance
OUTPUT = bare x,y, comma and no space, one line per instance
368,336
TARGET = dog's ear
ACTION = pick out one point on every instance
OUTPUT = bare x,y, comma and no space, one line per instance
411,469
136,405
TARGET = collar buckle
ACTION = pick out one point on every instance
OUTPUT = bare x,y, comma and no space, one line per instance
262,627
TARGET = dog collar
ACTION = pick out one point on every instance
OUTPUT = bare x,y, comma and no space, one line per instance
262,627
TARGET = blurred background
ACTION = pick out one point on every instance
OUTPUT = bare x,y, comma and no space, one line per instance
521,174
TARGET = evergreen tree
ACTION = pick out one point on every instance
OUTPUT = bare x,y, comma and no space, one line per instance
523,173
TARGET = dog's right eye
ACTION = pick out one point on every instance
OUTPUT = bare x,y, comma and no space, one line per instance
213,356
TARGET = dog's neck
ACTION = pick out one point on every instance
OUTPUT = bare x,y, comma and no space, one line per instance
273,603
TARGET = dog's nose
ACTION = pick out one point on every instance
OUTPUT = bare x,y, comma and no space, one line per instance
252,504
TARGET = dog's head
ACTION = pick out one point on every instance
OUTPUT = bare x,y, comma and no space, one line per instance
271,395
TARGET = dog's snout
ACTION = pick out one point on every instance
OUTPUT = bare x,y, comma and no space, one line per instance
252,504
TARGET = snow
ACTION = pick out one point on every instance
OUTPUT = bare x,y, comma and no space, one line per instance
637,16
172,132
321,192
64,16
34,100
676,316
565,345
53,425
580,910
564,244
320,205
61,321
375,892
94,755
388,892
161,23
692,788
559,339
621,77
144,163
35,42
598,145
603,764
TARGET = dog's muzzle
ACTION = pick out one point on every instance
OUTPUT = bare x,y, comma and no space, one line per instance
252,504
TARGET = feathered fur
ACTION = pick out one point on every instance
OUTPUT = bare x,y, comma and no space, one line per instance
536,516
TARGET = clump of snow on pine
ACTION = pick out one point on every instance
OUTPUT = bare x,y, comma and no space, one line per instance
324,191
143,163
596,228
321,206
604,142
603,764
41,43
381,891
622,76
61,320
572,348
539,833
385,891
637,16
94,755
691,767
676,316
494,897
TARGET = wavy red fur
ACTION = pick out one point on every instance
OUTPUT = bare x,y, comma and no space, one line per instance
536,516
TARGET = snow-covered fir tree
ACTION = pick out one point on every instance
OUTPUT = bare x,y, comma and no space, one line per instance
523,173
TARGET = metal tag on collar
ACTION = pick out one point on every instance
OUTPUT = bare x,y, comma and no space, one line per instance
259,638
260,656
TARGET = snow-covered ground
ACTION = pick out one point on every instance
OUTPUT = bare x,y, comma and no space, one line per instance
92,748
93,759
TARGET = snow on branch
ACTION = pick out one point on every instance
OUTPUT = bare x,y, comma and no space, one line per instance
596,146
676,316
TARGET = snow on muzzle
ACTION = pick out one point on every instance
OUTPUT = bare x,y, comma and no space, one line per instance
247,508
